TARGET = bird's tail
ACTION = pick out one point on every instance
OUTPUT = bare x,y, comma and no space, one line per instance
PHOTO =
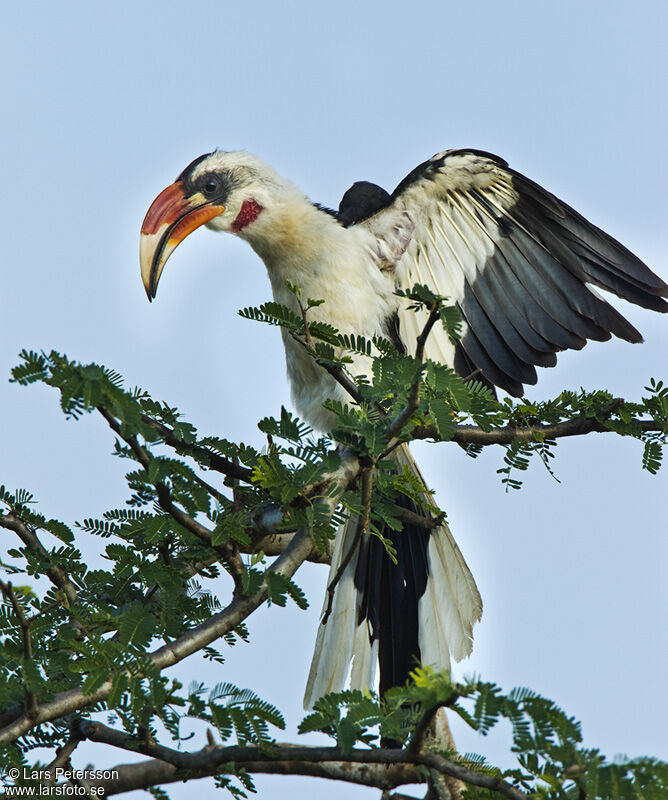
421,609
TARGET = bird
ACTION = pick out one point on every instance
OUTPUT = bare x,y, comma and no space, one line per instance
524,270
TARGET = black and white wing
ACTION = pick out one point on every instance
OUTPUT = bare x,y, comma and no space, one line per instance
520,264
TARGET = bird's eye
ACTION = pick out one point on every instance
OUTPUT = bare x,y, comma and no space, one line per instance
211,185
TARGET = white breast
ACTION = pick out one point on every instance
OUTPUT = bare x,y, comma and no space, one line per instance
334,264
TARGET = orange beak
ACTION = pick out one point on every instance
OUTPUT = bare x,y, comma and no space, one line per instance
171,217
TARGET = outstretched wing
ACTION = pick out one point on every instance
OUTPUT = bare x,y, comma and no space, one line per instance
520,264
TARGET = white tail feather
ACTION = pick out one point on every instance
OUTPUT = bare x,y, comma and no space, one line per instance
334,641
365,659
450,605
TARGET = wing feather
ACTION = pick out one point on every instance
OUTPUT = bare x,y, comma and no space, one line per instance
519,263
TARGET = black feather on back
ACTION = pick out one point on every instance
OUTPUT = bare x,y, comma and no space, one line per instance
362,201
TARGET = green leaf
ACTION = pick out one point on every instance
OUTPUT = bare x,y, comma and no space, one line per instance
136,626
59,529
443,418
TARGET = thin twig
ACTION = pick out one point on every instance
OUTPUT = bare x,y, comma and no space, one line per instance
215,461
228,556
434,316
307,332
237,502
141,453
410,517
56,574
338,373
220,497
236,566
424,723
394,428
360,530
472,375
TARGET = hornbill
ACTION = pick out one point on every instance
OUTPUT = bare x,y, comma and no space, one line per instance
520,265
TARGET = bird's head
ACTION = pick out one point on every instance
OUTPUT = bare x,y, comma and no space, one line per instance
224,191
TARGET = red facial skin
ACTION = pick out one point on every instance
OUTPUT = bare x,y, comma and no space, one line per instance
250,211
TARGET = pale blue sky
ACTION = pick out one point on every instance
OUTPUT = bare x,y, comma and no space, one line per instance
104,104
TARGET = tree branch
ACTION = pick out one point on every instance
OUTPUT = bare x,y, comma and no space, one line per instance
495,784
414,395
62,758
266,523
145,774
227,554
432,319
386,795
57,575
296,760
272,544
471,434
24,624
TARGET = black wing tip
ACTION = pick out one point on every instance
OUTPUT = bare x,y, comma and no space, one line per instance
657,303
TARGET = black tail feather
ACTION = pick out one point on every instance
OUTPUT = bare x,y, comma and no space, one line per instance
389,596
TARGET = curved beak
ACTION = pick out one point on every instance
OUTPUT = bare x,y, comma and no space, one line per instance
171,217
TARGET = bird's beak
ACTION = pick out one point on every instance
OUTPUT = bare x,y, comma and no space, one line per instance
171,217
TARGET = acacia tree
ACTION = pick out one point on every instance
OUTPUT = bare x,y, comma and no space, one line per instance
84,658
